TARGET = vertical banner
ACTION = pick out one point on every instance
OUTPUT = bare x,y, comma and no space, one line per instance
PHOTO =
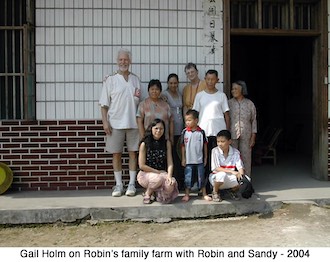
212,29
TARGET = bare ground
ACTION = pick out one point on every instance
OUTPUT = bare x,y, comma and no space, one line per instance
293,225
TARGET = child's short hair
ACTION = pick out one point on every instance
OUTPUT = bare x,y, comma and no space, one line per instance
225,133
192,112
212,72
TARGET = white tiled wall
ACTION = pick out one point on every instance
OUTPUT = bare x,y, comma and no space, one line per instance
77,42
328,59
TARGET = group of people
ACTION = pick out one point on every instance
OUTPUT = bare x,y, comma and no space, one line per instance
181,140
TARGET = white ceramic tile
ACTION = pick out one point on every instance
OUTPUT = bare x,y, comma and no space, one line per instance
155,72
154,54
116,36
50,54
79,92
40,92
173,36
182,5
126,36
145,4
40,36
78,73
69,3
163,17
173,55
87,54
88,17
40,54
116,18
107,17
173,18
191,5
145,36
68,17
50,73
136,54
164,54
97,54
191,54
69,72
154,36
60,110
97,17
70,110
126,15
107,54
59,36
59,4
88,35
69,92
97,88
136,18
182,36
50,92
97,3
78,18
155,18
191,36
49,3
89,110
41,110
60,91
98,74
107,36
78,35
136,36
68,36
191,19
145,73
88,3
59,71
40,17
69,54
88,73
40,73
182,18
88,91
50,36
145,17
183,55
116,3
163,36
145,54
79,108
50,17
97,111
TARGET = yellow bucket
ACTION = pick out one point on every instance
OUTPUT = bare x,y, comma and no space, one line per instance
6,177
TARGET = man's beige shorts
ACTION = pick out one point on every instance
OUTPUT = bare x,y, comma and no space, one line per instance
115,142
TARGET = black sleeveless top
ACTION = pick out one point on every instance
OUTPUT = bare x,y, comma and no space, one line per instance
156,155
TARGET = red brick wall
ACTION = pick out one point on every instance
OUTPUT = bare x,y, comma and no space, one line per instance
57,155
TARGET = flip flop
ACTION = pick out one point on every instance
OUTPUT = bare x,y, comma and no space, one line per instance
146,200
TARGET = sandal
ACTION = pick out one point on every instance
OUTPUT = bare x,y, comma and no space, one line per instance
207,198
216,197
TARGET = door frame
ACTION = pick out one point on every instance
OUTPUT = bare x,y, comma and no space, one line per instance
320,79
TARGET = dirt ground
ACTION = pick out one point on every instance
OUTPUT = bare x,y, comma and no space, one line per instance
293,225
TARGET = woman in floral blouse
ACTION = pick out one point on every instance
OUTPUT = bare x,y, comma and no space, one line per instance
243,123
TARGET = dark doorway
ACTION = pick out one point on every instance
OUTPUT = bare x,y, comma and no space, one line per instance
278,73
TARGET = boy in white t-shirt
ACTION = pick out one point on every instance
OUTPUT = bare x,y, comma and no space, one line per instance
226,165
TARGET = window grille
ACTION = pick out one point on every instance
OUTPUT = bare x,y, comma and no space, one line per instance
271,14
17,81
